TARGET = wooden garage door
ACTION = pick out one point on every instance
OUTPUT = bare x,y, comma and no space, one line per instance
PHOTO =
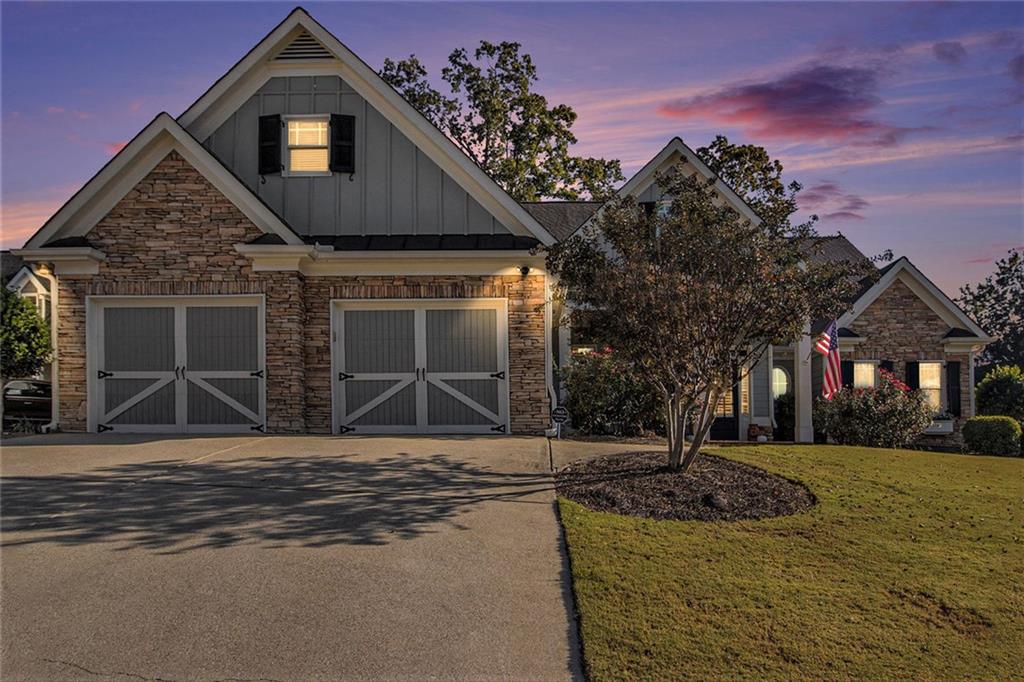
173,365
421,367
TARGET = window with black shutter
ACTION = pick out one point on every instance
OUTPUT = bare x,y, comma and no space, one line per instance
953,388
913,375
343,143
886,365
270,144
846,367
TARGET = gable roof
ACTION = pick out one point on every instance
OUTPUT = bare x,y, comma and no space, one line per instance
561,218
261,63
9,266
923,287
101,193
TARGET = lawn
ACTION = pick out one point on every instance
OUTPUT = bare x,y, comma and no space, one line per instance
910,565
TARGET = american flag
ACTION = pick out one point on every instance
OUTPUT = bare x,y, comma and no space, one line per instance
828,345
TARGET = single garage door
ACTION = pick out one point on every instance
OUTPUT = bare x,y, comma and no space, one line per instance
191,365
421,367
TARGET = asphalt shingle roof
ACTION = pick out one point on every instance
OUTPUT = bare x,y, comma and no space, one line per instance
561,218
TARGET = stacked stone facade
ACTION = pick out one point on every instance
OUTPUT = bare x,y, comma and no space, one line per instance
900,327
174,235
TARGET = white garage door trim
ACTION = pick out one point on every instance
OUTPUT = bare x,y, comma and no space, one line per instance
425,383
199,381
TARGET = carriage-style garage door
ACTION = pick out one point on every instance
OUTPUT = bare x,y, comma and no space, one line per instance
435,366
192,364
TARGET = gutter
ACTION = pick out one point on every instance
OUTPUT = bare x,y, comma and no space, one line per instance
45,271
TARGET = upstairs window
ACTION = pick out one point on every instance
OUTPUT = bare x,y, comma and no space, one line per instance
308,140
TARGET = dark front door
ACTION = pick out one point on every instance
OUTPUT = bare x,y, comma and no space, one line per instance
726,425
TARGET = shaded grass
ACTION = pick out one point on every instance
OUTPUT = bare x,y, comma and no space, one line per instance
910,565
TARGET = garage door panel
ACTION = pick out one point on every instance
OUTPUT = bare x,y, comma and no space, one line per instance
222,338
156,409
462,340
398,409
138,339
444,409
205,408
380,341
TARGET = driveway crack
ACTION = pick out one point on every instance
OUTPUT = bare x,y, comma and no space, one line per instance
103,674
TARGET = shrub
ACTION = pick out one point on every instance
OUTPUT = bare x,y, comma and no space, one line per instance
606,397
992,435
24,336
785,417
1001,392
889,416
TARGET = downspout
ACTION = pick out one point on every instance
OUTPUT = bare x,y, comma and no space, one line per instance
44,270
549,358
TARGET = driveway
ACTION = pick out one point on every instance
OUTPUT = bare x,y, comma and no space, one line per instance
282,558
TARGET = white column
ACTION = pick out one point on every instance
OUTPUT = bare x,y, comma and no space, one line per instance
802,392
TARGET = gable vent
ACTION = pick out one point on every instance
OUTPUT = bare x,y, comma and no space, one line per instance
304,46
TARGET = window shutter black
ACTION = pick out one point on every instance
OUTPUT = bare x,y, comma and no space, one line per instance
953,388
846,367
343,143
913,375
270,144
886,365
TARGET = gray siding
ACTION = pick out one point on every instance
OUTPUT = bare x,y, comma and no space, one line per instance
396,189
760,389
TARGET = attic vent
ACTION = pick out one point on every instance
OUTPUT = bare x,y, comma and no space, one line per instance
304,46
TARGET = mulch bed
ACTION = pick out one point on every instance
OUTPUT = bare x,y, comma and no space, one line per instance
714,489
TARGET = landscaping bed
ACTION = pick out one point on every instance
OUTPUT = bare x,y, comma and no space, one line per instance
714,489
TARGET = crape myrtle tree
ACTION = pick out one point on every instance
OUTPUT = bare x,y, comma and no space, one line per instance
493,114
692,294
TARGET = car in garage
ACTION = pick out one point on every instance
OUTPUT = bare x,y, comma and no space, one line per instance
26,404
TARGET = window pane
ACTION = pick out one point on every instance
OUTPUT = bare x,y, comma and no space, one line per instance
863,375
780,382
930,375
308,160
307,133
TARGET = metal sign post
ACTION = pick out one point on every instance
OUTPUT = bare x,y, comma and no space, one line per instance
559,415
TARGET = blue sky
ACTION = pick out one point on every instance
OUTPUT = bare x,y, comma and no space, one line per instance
903,121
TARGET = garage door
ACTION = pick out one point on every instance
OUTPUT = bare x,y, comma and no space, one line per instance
176,365
421,367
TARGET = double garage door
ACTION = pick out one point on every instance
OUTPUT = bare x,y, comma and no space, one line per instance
196,365
420,366
191,365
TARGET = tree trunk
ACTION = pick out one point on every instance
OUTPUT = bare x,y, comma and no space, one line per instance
675,426
701,429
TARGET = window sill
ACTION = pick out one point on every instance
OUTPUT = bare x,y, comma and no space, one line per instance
311,174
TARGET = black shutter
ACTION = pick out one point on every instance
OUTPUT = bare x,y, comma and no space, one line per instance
913,375
886,365
846,367
343,143
270,144
953,388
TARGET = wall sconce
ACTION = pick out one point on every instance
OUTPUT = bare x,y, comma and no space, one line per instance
524,270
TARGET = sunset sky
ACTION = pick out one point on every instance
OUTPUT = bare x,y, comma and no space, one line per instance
903,121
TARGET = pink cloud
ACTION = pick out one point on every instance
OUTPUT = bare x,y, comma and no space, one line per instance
55,110
21,219
829,196
80,115
810,104
113,148
992,252
135,105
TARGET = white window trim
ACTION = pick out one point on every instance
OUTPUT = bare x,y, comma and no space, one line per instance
286,152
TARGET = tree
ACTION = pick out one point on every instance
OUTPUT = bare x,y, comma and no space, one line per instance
997,304
693,295
493,115
24,337
1001,392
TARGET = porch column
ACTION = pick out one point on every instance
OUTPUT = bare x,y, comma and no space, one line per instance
803,431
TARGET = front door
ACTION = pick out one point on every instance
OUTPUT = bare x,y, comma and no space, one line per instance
176,365
727,424
421,367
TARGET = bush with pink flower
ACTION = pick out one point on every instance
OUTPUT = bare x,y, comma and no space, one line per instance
892,415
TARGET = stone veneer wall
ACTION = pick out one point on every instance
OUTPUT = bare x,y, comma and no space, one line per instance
173,235
899,326
528,399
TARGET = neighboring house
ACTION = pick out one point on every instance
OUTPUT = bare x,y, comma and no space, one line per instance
20,278
302,251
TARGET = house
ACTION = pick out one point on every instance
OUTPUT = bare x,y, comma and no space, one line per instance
302,251
27,283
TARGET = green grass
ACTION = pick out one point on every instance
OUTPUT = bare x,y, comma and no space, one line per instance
910,565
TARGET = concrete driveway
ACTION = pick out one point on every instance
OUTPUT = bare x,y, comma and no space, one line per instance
282,558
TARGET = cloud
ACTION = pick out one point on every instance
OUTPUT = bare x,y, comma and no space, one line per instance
1017,68
113,148
55,110
80,115
135,105
816,103
916,151
21,219
109,148
950,52
829,196
992,252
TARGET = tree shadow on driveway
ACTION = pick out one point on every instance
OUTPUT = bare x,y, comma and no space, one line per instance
265,501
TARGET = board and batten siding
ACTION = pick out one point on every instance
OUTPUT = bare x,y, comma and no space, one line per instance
395,190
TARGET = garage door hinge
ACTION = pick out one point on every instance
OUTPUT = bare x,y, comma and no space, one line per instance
342,376
259,427
345,429
257,373
103,375
500,428
100,428
498,375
